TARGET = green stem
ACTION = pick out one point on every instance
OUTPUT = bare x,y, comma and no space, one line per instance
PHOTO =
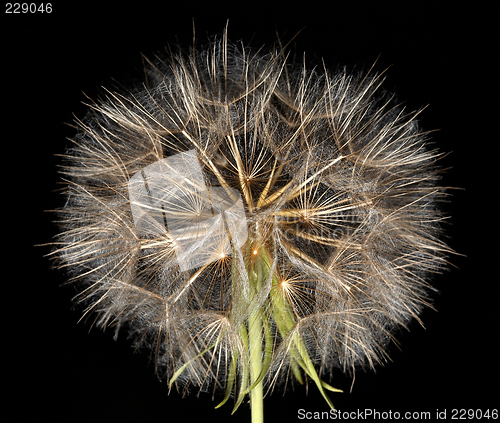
257,393
255,327
256,334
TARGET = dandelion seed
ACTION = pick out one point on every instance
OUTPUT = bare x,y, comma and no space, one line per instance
248,219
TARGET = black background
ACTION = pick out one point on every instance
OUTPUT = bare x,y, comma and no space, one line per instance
438,56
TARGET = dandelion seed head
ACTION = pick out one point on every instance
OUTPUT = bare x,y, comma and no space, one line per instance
238,184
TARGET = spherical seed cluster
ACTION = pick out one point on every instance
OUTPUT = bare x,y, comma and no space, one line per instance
332,236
